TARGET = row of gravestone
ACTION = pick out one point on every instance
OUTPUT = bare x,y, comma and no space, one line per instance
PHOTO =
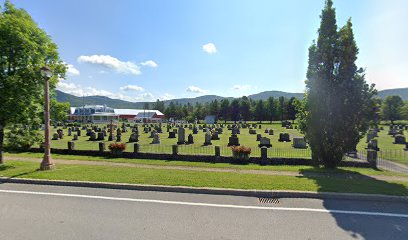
398,127
397,132
233,140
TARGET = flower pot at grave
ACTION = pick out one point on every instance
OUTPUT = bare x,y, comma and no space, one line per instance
116,153
240,157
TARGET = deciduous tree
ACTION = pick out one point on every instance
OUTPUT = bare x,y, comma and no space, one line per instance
391,108
24,49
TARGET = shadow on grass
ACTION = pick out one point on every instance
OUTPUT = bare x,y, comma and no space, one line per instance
24,173
362,226
8,167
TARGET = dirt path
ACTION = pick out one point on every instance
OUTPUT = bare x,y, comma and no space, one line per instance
205,169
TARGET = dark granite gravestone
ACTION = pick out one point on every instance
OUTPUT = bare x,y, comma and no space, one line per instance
233,140
284,137
190,139
265,142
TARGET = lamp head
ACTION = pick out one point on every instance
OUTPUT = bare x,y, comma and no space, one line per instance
46,72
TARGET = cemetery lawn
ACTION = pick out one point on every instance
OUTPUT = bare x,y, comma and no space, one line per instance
246,139
332,183
388,151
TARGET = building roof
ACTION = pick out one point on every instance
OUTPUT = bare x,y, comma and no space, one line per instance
128,111
136,111
146,114
125,111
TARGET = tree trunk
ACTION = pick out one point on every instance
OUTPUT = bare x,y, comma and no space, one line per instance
315,160
1,143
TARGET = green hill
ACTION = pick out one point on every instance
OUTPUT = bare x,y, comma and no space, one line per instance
275,94
116,103
96,100
402,92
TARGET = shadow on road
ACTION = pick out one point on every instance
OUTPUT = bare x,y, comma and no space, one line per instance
363,226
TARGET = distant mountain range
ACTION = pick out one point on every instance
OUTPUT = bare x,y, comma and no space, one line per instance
116,103
402,92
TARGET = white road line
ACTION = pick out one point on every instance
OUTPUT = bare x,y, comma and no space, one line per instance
383,214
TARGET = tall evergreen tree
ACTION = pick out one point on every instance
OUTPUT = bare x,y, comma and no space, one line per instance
244,108
291,108
339,103
270,109
235,110
404,111
214,108
159,105
281,108
225,109
259,110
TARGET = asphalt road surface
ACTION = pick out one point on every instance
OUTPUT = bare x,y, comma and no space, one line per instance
51,212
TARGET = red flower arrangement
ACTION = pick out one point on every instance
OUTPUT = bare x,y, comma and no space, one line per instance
117,148
241,153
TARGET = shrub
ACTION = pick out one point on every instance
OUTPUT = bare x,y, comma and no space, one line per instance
72,124
117,148
22,138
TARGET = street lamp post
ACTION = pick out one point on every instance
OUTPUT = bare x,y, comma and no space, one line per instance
47,163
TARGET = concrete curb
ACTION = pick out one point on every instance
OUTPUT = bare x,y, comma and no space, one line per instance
214,191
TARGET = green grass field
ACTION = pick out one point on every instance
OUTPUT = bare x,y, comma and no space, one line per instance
388,150
330,183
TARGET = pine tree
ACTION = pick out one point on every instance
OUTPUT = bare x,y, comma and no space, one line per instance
244,108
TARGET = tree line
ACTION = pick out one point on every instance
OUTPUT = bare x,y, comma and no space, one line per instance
244,108
394,108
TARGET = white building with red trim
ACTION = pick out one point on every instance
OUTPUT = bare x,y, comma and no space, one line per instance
104,114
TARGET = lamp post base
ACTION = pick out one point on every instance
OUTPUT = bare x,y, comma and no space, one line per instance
47,166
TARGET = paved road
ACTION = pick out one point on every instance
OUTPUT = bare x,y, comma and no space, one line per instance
51,212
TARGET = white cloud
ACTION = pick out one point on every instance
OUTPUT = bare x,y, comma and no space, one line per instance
194,89
79,91
111,63
209,48
150,63
244,87
132,88
145,97
71,70
66,87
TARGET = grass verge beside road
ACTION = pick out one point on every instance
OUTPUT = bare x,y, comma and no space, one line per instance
296,168
362,184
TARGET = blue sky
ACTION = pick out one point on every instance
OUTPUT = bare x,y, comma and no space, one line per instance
144,50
